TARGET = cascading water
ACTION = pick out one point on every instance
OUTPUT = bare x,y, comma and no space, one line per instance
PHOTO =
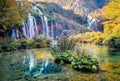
92,24
13,34
46,27
52,30
44,22
30,29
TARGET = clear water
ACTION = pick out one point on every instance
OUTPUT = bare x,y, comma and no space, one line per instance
38,65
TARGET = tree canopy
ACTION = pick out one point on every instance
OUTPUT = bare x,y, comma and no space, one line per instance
111,15
12,14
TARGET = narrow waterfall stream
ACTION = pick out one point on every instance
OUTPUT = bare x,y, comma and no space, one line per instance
92,24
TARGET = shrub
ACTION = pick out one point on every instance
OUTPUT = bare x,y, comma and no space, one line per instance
65,44
85,63
48,41
24,43
62,51
63,57
112,41
98,40
8,45
41,42
80,61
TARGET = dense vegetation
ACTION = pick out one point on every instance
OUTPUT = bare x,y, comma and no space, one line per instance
13,45
111,33
63,53
11,15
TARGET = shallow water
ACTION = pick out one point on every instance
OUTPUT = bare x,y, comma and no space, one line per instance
38,65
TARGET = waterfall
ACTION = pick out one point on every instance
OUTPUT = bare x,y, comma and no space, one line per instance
52,30
44,20
13,34
92,24
46,27
30,29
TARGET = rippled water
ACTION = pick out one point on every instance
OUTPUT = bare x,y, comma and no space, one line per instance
38,65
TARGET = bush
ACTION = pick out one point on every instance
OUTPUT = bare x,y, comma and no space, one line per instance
8,45
85,63
65,44
41,42
24,43
98,40
12,45
62,51
80,61
63,57
112,41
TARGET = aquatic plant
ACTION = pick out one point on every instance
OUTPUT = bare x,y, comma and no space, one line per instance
63,57
62,51
64,54
66,43
85,63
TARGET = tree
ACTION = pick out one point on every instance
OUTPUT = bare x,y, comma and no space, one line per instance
11,15
111,15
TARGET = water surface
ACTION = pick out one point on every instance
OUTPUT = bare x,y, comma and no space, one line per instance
38,65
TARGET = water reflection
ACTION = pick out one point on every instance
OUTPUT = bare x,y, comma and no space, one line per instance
38,65
102,53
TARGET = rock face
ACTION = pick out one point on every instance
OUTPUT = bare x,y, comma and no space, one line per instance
79,6
60,20
69,16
